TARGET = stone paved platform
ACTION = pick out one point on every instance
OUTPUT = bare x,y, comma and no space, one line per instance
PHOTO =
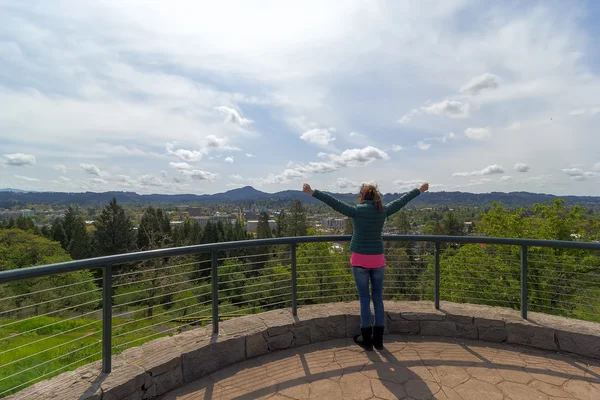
411,367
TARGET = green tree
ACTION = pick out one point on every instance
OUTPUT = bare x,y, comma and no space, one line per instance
402,223
155,229
348,227
282,224
263,230
58,233
80,244
297,224
114,230
75,291
452,225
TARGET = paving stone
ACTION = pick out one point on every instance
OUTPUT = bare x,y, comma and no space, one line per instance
420,389
384,389
356,386
325,389
582,390
518,391
451,376
550,390
475,389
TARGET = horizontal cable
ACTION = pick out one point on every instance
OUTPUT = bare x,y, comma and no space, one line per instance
156,278
254,263
563,294
311,264
257,284
309,271
556,301
462,264
46,338
255,300
317,289
253,255
329,297
52,312
251,271
50,301
564,310
163,313
476,291
157,324
160,269
53,359
52,288
161,295
587,274
52,348
324,283
250,279
561,264
49,373
250,294
473,278
326,277
578,288
162,286
482,299
263,307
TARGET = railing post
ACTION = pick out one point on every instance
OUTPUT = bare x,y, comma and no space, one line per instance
294,281
524,298
215,291
107,319
436,273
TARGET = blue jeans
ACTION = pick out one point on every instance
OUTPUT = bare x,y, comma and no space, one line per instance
362,277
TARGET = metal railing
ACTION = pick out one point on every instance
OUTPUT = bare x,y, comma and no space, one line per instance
220,279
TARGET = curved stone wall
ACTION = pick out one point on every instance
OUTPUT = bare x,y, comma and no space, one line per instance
159,366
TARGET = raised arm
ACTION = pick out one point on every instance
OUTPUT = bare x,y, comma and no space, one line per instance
395,206
338,205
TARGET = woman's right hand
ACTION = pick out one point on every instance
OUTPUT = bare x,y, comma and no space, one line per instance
307,189
424,187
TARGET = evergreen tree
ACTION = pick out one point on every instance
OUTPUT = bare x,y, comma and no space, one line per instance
211,233
114,234
58,233
452,225
155,229
263,230
403,223
79,247
297,225
348,227
69,224
282,224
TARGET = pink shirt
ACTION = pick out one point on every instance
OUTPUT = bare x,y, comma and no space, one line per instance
367,260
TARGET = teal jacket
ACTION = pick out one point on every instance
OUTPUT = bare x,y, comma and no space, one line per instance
367,220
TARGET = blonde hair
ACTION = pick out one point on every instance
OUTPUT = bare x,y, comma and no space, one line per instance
370,192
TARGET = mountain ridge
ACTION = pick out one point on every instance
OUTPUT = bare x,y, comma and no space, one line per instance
248,195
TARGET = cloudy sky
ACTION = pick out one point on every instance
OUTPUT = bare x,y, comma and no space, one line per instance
200,97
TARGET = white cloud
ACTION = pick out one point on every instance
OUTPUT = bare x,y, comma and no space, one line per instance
150,180
98,181
595,110
200,175
164,173
407,185
489,170
27,178
214,142
521,167
237,178
344,183
572,172
347,159
397,148
64,179
475,182
229,160
409,116
448,108
423,146
318,137
250,155
184,154
19,159
91,169
60,168
507,178
234,117
478,133
480,83
180,166
580,111
597,167
356,134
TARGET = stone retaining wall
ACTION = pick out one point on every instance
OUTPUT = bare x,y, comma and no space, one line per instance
161,365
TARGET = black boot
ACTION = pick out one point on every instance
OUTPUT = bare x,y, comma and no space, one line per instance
378,337
366,342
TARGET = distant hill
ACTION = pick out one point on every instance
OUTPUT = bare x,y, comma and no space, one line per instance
16,190
249,195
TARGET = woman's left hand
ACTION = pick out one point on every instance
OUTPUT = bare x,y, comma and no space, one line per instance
307,189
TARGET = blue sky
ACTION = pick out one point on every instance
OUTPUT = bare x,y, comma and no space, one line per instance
202,97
